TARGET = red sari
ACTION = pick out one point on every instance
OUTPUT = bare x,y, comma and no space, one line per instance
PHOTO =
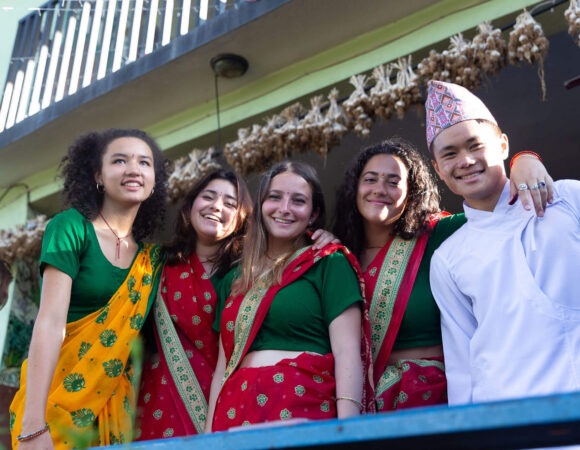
389,280
176,382
301,387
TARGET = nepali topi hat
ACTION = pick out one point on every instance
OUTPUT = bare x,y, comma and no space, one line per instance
448,104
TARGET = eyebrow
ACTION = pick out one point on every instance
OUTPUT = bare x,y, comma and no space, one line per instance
126,155
376,174
452,147
214,192
280,191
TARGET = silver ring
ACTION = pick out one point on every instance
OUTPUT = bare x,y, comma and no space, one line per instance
535,187
542,184
522,187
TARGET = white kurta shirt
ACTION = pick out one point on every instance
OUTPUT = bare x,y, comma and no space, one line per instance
508,287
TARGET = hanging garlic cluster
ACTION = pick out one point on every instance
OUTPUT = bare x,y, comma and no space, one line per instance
467,62
188,170
24,241
572,15
454,65
294,130
489,49
358,107
528,44
389,98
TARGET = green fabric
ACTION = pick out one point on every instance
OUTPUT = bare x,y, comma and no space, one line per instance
70,244
421,325
301,312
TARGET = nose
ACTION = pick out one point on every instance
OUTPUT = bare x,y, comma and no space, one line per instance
466,159
218,203
380,188
132,167
284,204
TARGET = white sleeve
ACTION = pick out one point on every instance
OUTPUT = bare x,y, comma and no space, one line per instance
569,191
457,326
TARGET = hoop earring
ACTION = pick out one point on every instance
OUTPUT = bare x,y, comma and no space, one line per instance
100,188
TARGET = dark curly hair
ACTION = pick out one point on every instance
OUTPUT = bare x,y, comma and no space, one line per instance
422,196
85,159
183,244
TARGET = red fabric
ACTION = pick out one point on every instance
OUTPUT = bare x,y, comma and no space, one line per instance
380,361
231,314
191,301
414,385
302,387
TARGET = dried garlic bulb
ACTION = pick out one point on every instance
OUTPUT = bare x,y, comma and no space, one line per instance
23,241
572,15
490,49
358,106
527,43
381,94
188,170
406,90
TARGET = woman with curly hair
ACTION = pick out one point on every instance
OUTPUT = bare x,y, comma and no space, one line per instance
207,242
394,228
99,281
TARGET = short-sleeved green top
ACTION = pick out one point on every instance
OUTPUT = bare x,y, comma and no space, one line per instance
301,312
421,325
70,244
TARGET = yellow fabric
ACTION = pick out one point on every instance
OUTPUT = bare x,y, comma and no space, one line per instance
91,399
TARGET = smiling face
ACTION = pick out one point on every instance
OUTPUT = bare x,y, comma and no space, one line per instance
287,209
469,157
127,171
213,212
382,191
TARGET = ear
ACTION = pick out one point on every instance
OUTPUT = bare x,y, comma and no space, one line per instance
436,167
313,217
98,179
504,145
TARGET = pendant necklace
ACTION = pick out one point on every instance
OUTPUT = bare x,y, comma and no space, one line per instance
119,239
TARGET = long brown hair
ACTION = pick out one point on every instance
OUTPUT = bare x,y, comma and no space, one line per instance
256,242
185,239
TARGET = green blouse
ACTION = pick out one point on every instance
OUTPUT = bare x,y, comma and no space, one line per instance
70,244
421,326
301,312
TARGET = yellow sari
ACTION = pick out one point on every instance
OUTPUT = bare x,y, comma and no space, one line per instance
92,397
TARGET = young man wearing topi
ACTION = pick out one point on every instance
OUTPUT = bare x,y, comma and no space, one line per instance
507,281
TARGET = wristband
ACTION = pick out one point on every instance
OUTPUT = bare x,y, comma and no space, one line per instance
356,402
524,152
30,436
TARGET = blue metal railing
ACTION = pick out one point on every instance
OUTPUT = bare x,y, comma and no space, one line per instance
516,424
66,45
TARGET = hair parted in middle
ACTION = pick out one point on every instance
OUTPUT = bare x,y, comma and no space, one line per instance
422,195
256,242
184,241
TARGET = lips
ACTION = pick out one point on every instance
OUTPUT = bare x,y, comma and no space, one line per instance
283,221
132,183
469,175
212,217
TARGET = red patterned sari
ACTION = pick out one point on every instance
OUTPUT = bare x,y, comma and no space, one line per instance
176,383
297,388
389,280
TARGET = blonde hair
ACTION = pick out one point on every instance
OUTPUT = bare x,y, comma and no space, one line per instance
254,267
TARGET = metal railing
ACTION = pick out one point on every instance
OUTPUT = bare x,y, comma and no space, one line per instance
65,45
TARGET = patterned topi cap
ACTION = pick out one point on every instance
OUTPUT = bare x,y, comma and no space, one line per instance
448,104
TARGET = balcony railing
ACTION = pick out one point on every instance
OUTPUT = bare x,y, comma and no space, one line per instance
66,45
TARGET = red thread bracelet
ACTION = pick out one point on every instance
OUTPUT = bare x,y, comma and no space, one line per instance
523,152
28,437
